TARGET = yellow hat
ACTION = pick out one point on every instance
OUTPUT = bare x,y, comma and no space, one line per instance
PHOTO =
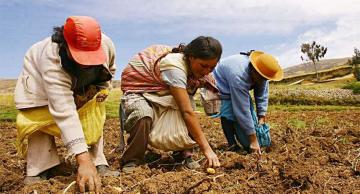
266,65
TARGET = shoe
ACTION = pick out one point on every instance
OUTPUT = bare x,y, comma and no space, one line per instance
190,163
104,170
29,180
177,155
129,167
186,160
60,170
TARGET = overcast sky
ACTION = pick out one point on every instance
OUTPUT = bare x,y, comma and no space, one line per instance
274,26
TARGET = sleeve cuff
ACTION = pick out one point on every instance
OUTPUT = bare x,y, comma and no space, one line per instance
250,132
261,113
77,146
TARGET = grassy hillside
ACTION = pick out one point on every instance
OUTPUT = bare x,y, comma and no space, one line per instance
7,85
308,67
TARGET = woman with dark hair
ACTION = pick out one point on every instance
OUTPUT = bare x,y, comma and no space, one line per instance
157,105
60,92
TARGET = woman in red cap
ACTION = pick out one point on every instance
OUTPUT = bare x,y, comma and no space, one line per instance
61,74
158,85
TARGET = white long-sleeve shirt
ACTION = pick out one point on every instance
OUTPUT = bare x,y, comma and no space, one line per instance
43,82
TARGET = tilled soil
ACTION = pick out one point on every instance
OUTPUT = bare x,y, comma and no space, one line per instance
320,156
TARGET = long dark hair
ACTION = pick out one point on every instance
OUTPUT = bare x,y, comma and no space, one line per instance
58,36
202,47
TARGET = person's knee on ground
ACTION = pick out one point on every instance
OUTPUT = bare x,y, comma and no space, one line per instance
41,157
229,131
242,138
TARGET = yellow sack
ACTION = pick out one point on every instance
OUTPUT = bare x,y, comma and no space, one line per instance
92,117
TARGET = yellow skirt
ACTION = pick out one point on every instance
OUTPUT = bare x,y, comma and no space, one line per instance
92,117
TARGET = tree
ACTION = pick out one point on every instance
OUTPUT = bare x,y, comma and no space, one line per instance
314,52
355,62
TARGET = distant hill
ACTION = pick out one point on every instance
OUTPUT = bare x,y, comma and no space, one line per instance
308,67
7,85
116,83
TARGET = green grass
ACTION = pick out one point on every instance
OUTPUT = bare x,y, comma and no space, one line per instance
322,121
8,111
114,95
113,103
354,86
7,108
314,86
298,124
302,99
112,109
7,100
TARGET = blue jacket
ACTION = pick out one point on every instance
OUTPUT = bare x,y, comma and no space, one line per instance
233,79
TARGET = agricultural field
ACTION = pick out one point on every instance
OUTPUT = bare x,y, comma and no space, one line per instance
315,149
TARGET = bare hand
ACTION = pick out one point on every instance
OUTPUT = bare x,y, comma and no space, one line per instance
261,120
213,160
101,97
87,174
254,144
255,148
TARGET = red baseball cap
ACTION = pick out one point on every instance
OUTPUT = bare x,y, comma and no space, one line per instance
83,37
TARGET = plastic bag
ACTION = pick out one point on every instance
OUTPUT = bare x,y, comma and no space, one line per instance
92,117
262,130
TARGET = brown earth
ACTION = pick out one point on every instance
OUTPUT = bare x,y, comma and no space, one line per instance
322,156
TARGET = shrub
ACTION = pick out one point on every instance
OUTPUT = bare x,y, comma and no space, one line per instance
354,62
354,86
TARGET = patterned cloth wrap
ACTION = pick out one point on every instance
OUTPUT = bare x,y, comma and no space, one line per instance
142,74
142,77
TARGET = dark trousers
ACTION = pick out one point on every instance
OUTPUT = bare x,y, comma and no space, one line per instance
233,133
137,142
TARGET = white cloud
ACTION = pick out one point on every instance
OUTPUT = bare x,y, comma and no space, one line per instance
334,24
340,40
229,17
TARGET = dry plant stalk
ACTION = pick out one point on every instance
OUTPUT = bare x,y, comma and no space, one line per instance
68,187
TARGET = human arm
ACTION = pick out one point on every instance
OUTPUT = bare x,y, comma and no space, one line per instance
87,174
261,95
182,100
240,99
57,85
